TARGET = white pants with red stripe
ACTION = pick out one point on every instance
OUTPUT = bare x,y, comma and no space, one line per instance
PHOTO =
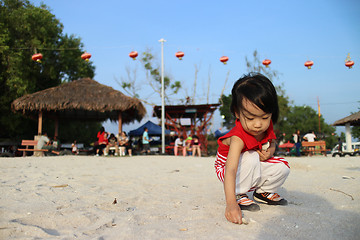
262,176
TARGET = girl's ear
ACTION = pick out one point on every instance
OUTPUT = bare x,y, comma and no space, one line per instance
237,115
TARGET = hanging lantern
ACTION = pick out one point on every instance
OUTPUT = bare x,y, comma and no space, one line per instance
179,55
86,56
349,64
348,61
37,57
133,55
224,59
266,62
309,64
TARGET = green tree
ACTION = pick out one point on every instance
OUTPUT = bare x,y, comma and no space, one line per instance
305,119
25,30
228,118
355,131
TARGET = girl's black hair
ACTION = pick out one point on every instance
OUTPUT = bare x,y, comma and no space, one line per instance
259,90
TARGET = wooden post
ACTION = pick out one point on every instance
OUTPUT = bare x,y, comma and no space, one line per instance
40,123
120,122
56,127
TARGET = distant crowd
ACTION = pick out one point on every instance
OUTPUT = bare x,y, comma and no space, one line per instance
109,143
187,146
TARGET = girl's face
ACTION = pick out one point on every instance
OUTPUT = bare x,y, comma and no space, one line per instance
254,120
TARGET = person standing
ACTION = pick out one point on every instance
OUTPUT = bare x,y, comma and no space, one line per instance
310,137
146,141
340,144
297,141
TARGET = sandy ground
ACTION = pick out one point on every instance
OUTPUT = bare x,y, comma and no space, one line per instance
167,197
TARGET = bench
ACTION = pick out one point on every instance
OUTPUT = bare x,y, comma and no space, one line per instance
33,143
314,147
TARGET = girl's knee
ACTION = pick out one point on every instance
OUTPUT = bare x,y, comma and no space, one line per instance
251,158
282,169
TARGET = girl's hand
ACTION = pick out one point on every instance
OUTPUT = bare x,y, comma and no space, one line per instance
233,213
264,155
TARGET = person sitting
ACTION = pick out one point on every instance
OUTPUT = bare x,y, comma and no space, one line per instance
45,143
179,145
102,141
128,145
74,148
112,142
195,145
123,141
188,148
56,143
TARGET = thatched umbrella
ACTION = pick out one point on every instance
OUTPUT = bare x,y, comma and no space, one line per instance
352,120
83,99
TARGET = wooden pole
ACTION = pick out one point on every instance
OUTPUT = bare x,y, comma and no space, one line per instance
319,114
56,127
120,122
40,123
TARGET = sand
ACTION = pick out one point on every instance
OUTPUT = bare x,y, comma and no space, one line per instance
167,197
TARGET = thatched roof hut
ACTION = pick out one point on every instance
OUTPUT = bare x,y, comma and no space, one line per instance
83,99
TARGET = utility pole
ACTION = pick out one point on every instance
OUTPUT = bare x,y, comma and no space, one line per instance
162,98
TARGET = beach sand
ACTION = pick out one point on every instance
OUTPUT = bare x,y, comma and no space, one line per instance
167,197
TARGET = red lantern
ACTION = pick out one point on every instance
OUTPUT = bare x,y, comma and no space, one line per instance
224,59
37,57
179,55
266,62
349,64
309,64
86,56
133,55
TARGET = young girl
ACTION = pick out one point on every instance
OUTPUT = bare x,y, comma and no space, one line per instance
245,159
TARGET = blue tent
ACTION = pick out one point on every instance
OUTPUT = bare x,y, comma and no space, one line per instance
152,127
220,134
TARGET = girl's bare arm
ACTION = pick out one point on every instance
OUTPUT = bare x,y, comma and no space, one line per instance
232,211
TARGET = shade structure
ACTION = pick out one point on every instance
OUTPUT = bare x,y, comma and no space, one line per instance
153,129
83,99
286,145
353,120
188,120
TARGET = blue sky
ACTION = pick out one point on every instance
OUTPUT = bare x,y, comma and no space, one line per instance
287,32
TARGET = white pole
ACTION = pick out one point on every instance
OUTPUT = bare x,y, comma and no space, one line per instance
348,137
162,98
